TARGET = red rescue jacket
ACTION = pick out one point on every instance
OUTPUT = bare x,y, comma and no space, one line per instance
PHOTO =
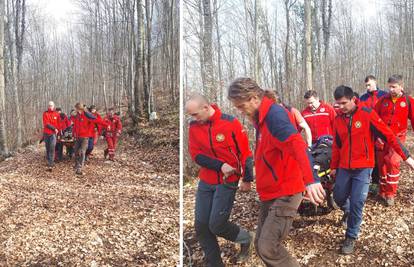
113,125
282,161
64,122
82,124
370,99
354,137
320,121
51,121
220,140
396,115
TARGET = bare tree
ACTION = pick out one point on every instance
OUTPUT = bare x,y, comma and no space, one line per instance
308,44
4,150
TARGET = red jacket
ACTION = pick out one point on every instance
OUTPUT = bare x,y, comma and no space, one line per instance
396,115
113,125
354,138
320,121
220,140
64,122
282,161
370,99
51,121
83,123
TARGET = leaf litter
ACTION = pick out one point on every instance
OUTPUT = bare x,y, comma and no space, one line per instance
123,213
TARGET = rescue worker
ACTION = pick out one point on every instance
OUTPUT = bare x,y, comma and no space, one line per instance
395,109
283,169
64,123
95,131
219,145
318,115
81,131
353,158
50,130
70,147
370,99
112,133
373,93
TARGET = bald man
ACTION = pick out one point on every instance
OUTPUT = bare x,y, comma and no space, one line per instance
50,129
219,145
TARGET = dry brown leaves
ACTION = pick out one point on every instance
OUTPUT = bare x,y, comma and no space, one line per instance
118,214
386,238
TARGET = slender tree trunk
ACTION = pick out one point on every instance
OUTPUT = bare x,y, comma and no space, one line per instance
4,150
308,44
208,51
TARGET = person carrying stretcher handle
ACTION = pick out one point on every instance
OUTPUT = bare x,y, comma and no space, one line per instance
284,169
355,129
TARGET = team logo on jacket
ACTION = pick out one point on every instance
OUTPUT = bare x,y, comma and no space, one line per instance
402,104
358,124
322,109
220,137
385,104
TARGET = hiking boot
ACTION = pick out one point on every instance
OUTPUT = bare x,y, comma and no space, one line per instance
245,250
344,220
105,153
348,246
49,168
389,202
79,172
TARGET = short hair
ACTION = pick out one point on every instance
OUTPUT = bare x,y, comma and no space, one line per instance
111,109
396,78
58,109
370,77
310,93
80,106
202,99
356,95
343,91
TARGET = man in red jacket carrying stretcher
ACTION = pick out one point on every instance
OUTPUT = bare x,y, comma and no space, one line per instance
219,144
355,130
395,109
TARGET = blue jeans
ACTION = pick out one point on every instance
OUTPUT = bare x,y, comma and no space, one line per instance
59,151
50,143
350,192
212,211
90,146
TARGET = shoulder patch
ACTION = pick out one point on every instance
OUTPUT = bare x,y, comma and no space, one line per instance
227,117
278,123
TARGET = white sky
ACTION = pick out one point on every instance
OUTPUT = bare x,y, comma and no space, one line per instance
61,11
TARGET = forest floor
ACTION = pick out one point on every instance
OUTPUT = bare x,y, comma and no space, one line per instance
122,213
386,238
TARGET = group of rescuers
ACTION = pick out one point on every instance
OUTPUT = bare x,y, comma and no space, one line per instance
85,125
367,131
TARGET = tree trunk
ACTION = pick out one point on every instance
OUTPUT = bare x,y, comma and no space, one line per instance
4,150
308,44
208,52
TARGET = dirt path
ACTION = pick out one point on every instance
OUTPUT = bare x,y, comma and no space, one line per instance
386,239
118,214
